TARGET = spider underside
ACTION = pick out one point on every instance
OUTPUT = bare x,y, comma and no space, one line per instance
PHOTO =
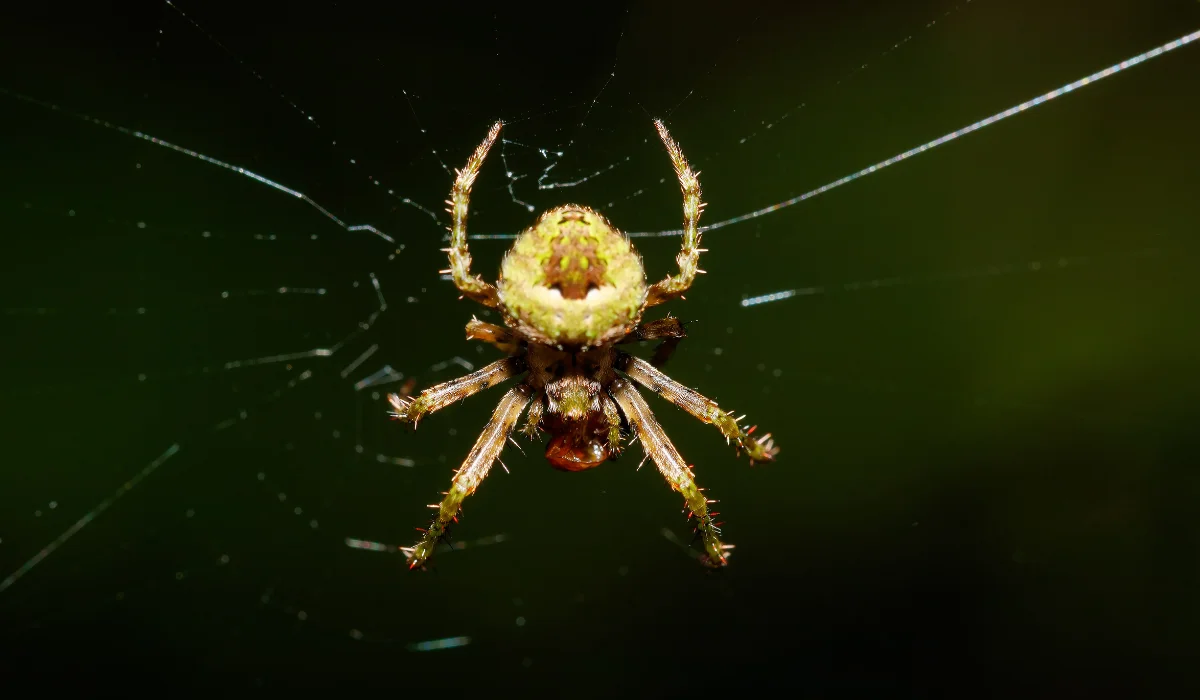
571,290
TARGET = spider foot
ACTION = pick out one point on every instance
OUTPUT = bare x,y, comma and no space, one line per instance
415,561
418,555
715,552
438,532
761,450
718,559
407,409
719,563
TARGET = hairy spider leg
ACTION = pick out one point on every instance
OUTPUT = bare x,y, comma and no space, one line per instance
761,450
670,329
472,472
673,286
499,336
472,286
435,398
671,465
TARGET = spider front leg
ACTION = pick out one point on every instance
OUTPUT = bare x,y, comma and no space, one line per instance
473,470
761,450
435,398
673,286
470,285
671,465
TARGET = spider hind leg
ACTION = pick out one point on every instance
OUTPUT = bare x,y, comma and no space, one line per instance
673,286
472,286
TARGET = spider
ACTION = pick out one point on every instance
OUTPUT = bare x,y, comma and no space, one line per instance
572,289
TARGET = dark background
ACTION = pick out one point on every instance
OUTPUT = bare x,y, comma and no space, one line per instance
987,414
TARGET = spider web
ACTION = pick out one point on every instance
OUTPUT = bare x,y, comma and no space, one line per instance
222,234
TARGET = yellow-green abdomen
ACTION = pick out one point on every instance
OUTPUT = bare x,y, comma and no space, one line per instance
572,279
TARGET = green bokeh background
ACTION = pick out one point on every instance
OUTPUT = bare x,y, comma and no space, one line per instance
987,415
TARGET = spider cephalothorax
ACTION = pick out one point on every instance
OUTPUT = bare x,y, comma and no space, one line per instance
571,289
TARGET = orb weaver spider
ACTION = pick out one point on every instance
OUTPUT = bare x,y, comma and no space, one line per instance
570,290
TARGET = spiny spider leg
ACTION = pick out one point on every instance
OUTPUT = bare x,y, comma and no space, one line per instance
473,470
761,450
669,328
671,465
470,285
503,338
437,397
673,286
664,350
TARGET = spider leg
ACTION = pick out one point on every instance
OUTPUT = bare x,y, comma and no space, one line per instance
761,450
670,329
503,338
470,285
437,397
472,472
673,286
663,351
671,465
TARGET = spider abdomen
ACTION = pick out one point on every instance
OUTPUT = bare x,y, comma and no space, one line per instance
572,280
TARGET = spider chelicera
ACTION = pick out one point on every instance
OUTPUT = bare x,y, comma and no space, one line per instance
570,290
